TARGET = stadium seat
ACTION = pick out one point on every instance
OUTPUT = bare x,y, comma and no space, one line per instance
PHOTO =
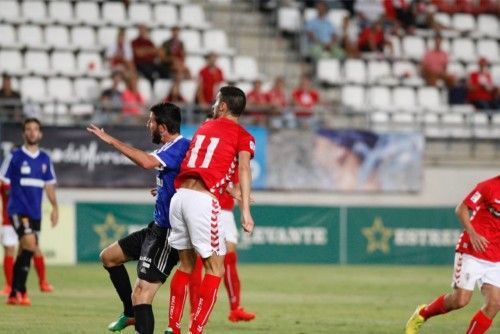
193,16
245,86
379,72
114,13
289,19
404,98
188,90
81,109
216,40
353,97
245,68
445,44
55,111
225,65
443,19
488,48
195,64
33,89
165,15
463,22
191,40
31,36
355,71
86,89
90,64
34,11
87,12
310,13
131,33
413,47
63,62
8,38
37,62
495,74
457,69
379,98
61,12
161,89
336,17
429,99
140,13
396,45
11,61
463,49
404,69
328,71
106,36
10,11
57,37
158,36
488,25
144,87
60,89
83,38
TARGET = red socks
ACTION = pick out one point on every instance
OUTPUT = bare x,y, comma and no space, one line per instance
434,308
479,324
194,284
206,302
8,269
178,294
231,280
39,263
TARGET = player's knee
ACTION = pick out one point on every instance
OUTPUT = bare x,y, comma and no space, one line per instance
462,301
493,304
107,258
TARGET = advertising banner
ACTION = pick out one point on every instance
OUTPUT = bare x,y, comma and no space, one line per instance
347,160
81,160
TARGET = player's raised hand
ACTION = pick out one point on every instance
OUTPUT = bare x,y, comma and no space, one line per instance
247,222
99,132
479,243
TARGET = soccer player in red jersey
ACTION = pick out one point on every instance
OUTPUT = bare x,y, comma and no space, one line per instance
231,277
219,147
477,260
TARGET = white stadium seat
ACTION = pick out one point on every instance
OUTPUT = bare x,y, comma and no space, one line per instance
33,88
193,16
131,33
443,19
87,12
310,13
37,62
57,37
488,25
31,36
289,19
463,22
225,64
11,61
429,99
83,38
114,13
195,64
106,36
463,49
413,47
336,17
86,89
144,87
328,71
34,11
495,74
445,44
378,71
404,98
8,36
353,97
188,90
457,69
161,89
355,71
140,13
63,62
245,68
191,40
10,11
488,48
216,40
60,89
379,97
158,36
90,64
61,12
166,15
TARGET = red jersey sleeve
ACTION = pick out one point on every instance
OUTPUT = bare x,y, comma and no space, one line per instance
477,196
246,142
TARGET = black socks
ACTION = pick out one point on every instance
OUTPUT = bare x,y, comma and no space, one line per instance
121,282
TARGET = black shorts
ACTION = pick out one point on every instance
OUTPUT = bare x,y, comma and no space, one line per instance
24,225
150,247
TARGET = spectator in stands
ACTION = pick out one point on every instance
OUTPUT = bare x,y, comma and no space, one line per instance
172,55
145,56
433,65
133,101
277,97
174,94
413,14
322,36
10,100
111,98
482,93
372,39
119,54
304,100
349,39
258,104
209,80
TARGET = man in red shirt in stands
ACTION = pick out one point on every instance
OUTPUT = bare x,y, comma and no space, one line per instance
258,103
145,56
477,260
481,91
305,99
210,78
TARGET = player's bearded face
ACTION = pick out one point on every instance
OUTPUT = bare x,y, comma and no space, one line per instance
155,135
32,134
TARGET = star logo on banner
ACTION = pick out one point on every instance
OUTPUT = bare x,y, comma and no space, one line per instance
109,231
378,236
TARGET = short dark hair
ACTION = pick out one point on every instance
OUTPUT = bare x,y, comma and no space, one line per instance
31,120
169,115
234,98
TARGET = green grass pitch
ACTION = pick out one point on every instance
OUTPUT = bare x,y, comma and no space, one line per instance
288,299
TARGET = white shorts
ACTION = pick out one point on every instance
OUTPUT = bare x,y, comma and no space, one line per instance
229,226
8,236
195,221
469,269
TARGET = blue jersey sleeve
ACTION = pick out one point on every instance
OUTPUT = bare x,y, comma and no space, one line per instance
6,169
49,176
169,158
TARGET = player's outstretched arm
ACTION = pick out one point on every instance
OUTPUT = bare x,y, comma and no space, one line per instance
479,243
50,189
245,174
139,157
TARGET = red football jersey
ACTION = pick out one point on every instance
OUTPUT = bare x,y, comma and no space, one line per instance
4,193
484,201
213,154
226,201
